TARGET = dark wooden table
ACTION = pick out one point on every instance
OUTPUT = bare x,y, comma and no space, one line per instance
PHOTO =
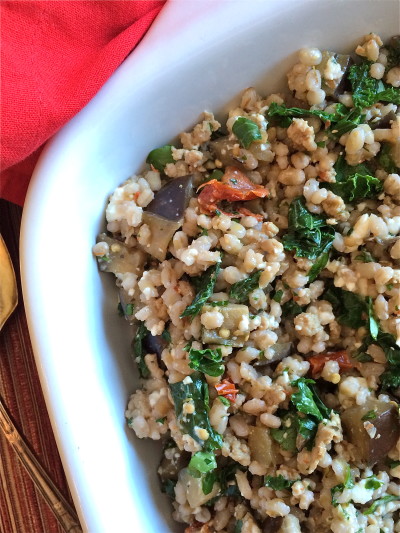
22,509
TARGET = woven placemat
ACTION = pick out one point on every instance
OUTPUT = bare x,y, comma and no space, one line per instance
22,509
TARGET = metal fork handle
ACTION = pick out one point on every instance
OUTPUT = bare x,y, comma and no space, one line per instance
62,510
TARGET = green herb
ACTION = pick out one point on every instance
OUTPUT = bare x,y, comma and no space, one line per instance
347,484
168,487
129,309
381,501
217,213
246,131
201,463
389,287
370,415
318,266
240,290
354,182
282,116
391,377
394,464
195,389
286,434
205,286
216,174
307,401
365,257
225,401
293,425
291,309
203,232
341,121
308,235
367,90
278,482
138,351
373,483
385,159
161,420
207,361
302,418
104,258
160,157
277,297
321,144
346,121
224,476
238,526
349,308
219,303
166,335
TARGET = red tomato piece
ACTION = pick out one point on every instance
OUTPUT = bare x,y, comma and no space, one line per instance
317,362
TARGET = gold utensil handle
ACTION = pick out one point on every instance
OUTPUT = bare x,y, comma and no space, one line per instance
62,510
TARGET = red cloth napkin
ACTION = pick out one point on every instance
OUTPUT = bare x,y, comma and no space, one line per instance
55,56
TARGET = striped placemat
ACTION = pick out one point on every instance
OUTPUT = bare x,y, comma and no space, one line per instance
22,509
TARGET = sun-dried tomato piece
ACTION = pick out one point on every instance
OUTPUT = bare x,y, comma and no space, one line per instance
235,186
227,388
317,362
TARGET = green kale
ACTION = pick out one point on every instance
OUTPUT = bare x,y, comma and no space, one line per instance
306,400
139,352
159,157
318,266
354,183
386,499
385,159
291,309
201,463
347,484
205,286
370,415
340,122
168,487
286,434
241,290
224,476
365,257
194,388
246,131
277,297
367,90
282,116
373,483
278,482
308,234
220,303
216,174
349,308
207,361
293,425
166,335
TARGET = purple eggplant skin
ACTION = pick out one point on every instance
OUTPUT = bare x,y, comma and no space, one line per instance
154,344
164,214
171,200
372,446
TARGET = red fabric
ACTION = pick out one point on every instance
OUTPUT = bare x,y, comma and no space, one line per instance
55,56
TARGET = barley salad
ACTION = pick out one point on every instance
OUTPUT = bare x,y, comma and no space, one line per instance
258,262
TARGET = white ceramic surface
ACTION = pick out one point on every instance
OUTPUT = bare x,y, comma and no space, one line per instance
198,55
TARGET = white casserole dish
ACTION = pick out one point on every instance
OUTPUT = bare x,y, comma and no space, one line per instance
198,55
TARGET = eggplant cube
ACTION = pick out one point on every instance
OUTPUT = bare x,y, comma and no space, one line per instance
229,334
